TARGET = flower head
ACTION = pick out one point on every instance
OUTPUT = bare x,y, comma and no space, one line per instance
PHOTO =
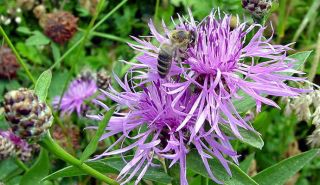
21,148
59,26
222,62
154,120
78,91
28,117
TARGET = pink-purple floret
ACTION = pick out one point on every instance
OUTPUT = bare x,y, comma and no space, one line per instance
187,109
73,99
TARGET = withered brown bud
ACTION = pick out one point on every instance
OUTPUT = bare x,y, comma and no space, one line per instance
8,63
59,26
90,5
103,79
39,11
73,136
6,147
257,8
28,117
26,4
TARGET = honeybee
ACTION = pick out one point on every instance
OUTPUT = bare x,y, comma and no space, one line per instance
179,42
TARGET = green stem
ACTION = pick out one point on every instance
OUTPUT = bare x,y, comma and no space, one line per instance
21,62
49,144
21,164
204,180
316,60
108,15
156,10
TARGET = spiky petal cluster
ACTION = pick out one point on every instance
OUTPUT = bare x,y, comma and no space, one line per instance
151,111
20,147
221,63
188,108
73,99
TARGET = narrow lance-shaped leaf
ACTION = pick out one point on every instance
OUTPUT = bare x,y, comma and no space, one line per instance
92,146
43,84
39,170
195,164
279,173
250,137
112,165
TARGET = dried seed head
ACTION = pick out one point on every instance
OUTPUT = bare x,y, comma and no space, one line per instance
301,107
314,139
73,136
87,74
6,147
257,8
39,11
90,5
103,79
28,117
26,4
59,26
8,63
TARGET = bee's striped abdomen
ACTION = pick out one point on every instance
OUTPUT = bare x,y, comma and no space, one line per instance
164,61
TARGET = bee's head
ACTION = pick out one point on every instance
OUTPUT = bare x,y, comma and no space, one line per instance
192,37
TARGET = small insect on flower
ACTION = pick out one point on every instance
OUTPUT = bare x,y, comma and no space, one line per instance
179,41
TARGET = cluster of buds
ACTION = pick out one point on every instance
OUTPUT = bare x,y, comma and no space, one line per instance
8,63
12,15
12,145
28,117
59,26
306,107
257,8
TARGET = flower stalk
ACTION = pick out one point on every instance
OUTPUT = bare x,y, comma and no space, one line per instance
49,144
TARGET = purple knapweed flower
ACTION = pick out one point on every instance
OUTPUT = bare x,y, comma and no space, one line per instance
222,62
20,145
73,99
150,114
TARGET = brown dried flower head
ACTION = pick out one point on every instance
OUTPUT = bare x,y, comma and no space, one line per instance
59,26
26,4
8,63
28,117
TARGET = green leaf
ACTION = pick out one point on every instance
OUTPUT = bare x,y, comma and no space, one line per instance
39,170
248,136
55,51
24,30
195,164
245,164
301,58
37,39
111,165
43,84
7,167
279,173
92,146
